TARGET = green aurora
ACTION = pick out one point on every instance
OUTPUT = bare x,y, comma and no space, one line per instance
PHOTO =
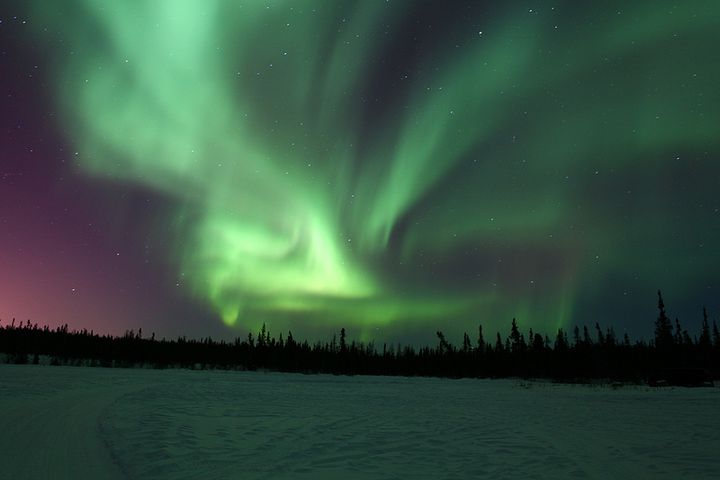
357,164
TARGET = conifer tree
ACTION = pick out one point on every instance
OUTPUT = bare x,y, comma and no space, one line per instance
686,340
678,339
343,344
663,328
561,341
444,346
517,341
601,337
480,340
610,337
467,346
499,343
704,341
538,343
261,336
576,336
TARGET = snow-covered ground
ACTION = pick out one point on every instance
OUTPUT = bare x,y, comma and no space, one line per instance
89,423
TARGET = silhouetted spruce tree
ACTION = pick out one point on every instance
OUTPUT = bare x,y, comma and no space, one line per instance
686,340
467,346
517,342
262,337
538,343
663,328
576,337
343,344
443,346
610,339
704,341
678,337
600,335
561,343
480,340
499,343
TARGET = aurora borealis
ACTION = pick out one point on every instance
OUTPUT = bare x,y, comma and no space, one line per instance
394,167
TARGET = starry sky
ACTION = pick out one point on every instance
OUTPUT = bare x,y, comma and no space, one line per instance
200,167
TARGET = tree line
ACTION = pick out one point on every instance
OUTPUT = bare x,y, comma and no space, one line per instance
673,356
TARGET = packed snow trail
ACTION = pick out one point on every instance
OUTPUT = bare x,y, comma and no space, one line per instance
50,422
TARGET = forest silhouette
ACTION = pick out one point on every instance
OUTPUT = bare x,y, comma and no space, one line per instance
672,357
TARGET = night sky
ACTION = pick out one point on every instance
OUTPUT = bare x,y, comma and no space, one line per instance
392,167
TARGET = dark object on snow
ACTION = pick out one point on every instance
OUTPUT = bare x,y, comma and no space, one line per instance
681,377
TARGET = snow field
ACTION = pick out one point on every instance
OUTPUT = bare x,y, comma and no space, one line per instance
79,422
